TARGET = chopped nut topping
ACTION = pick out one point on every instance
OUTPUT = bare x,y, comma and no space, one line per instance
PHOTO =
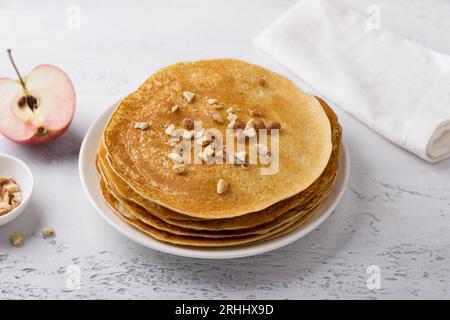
232,124
217,117
170,129
249,124
232,116
189,96
256,113
16,239
5,208
5,198
179,168
230,110
249,130
10,195
222,186
212,101
141,125
174,108
174,141
188,123
274,125
175,157
11,187
48,232
262,82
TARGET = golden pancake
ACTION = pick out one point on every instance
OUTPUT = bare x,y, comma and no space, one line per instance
133,212
246,221
203,241
139,157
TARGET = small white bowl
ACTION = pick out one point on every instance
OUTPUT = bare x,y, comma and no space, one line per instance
14,168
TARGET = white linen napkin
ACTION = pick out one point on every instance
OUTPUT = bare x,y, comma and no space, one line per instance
396,87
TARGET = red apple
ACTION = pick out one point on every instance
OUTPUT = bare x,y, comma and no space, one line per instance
38,107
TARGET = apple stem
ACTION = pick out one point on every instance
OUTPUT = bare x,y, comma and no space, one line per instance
18,73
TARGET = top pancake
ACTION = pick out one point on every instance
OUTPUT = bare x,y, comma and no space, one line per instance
140,156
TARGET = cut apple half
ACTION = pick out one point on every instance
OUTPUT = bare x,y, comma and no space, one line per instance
50,113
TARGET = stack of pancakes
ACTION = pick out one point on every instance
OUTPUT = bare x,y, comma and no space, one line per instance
145,186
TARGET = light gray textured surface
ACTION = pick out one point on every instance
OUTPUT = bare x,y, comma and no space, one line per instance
395,213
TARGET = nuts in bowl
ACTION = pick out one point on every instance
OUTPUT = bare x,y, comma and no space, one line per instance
10,195
16,185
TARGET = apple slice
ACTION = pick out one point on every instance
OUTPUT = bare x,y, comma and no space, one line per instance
37,108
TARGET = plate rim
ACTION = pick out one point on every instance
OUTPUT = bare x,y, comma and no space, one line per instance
206,253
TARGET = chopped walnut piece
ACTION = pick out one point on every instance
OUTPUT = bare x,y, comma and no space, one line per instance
230,110
174,108
141,125
232,116
175,157
48,232
10,187
174,141
5,208
5,197
16,239
17,196
189,96
249,124
232,124
170,129
187,123
222,186
249,129
179,168
255,113
212,101
3,180
10,195
217,117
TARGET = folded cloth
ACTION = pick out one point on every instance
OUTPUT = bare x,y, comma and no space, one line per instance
396,87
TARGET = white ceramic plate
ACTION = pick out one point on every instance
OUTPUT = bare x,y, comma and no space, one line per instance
90,181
